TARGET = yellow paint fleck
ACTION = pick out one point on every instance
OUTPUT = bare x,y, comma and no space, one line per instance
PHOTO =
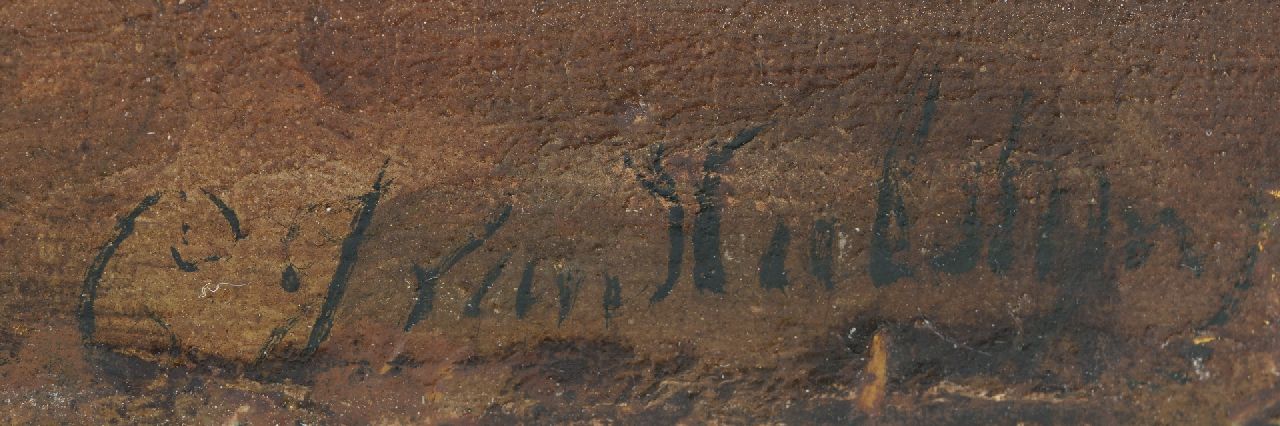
878,372
1200,340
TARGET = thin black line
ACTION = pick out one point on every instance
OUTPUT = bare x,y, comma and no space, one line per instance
346,265
89,290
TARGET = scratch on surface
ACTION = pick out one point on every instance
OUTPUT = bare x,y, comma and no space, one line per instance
210,288
928,325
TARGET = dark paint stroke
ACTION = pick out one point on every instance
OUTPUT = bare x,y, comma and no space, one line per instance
475,242
964,256
524,293
1000,253
927,112
228,214
1094,280
1096,245
821,259
1230,304
663,186
675,256
1083,281
350,252
612,299
426,295
1048,245
1137,250
567,285
773,272
1140,247
289,280
472,308
1190,257
890,208
277,335
708,269
660,184
174,348
89,289
190,6
183,265
1093,283
428,278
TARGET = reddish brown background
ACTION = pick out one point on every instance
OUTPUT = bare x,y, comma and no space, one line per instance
288,109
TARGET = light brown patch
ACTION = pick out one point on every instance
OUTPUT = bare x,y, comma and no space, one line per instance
877,373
